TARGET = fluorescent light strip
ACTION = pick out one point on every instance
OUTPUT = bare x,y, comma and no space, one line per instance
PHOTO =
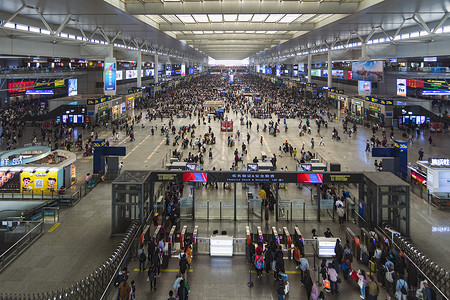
215,18
273,18
230,18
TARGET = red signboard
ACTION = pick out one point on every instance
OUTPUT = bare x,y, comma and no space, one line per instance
349,75
20,86
414,83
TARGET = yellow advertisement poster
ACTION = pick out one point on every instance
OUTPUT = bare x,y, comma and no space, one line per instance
37,181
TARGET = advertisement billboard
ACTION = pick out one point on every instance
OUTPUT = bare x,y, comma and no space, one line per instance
130,74
9,181
316,72
195,177
349,75
39,181
119,75
20,86
109,76
73,87
309,178
401,87
183,70
149,72
278,70
364,87
371,70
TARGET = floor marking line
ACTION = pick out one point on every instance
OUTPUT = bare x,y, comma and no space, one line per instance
54,227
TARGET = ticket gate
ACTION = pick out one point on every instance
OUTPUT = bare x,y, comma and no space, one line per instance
170,239
144,234
183,236
155,237
354,243
287,241
275,235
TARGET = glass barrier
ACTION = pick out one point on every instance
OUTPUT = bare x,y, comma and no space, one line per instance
34,231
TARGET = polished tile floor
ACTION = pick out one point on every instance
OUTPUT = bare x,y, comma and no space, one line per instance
82,242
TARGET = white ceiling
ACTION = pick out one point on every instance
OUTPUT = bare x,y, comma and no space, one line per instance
243,27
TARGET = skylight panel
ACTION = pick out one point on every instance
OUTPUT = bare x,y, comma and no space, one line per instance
171,18
201,18
230,18
186,18
215,18
244,17
273,18
289,18
259,17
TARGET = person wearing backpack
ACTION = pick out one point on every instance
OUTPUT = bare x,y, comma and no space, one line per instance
401,288
372,289
267,259
142,258
390,279
183,292
259,263
152,276
280,290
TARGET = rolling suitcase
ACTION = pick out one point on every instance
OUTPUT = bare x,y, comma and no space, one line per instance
165,262
372,266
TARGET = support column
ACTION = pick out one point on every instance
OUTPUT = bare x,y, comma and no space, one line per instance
110,50
309,67
139,68
330,68
156,68
363,49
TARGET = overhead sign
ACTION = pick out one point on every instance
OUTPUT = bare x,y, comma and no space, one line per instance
39,92
4,162
432,93
98,101
379,101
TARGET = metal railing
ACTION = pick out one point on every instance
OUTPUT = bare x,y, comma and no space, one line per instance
438,277
21,245
29,195
96,285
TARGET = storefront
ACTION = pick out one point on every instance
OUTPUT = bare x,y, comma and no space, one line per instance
20,172
338,99
437,182
378,110
418,179
357,106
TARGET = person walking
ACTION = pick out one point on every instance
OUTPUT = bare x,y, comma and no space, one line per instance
421,154
430,140
259,263
362,282
152,276
142,258
401,289
125,289
341,214
372,289
308,284
312,143
261,140
333,278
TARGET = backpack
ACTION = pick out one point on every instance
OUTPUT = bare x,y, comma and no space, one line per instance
259,264
403,289
142,257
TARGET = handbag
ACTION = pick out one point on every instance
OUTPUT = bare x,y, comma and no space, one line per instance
360,283
327,284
